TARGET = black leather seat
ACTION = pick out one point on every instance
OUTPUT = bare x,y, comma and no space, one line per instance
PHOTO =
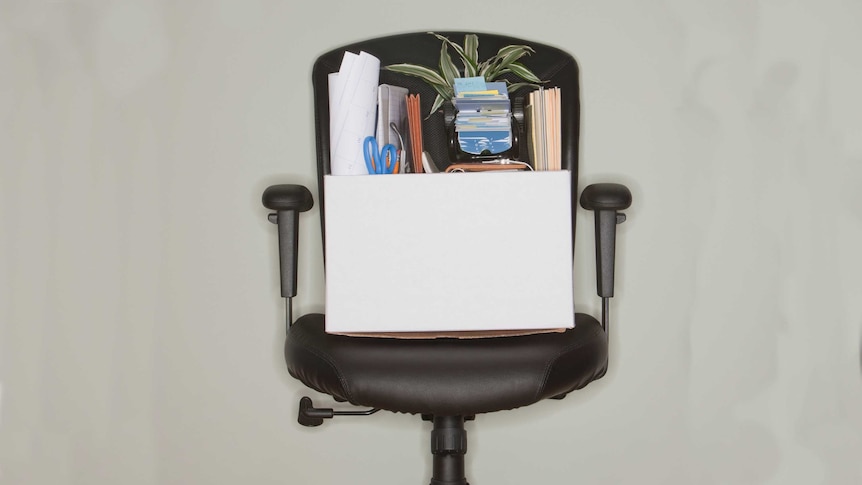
447,380
448,375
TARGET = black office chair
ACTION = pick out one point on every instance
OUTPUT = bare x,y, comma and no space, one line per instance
446,381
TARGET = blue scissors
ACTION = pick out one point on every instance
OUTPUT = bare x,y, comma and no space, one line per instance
380,162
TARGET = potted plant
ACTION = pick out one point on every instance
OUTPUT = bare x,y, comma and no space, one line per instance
505,61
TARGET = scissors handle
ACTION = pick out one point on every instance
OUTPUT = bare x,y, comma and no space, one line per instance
389,158
377,162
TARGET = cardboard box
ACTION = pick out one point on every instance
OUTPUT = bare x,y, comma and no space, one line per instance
449,253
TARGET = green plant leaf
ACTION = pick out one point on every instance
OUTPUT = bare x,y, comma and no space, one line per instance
455,46
516,86
484,66
514,48
447,67
523,72
505,56
469,64
438,101
445,91
471,55
422,72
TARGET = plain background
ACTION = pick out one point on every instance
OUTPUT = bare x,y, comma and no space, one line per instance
141,330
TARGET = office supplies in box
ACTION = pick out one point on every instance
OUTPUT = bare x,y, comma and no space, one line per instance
495,247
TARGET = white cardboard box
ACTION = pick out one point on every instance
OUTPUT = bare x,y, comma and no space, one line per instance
449,252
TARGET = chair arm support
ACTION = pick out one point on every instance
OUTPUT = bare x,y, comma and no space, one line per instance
606,200
288,201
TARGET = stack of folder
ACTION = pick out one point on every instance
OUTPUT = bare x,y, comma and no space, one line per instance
545,133
483,121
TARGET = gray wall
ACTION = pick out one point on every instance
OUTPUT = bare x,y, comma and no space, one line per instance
140,328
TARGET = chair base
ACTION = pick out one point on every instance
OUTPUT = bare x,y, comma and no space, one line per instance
448,446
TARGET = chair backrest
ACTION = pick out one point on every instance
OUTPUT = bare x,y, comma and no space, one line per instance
550,64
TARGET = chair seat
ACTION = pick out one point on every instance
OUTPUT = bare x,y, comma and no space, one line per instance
446,376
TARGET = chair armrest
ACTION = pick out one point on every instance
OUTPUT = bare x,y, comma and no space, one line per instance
287,197
605,200
606,197
287,201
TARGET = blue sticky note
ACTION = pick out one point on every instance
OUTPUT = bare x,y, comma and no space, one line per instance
468,84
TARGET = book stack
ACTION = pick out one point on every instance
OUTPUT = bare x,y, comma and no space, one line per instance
543,122
483,119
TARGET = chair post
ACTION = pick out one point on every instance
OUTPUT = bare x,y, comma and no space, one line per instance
448,445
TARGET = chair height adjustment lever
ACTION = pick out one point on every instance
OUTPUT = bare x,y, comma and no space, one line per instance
312,416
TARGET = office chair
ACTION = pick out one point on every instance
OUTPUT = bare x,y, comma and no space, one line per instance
446,380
